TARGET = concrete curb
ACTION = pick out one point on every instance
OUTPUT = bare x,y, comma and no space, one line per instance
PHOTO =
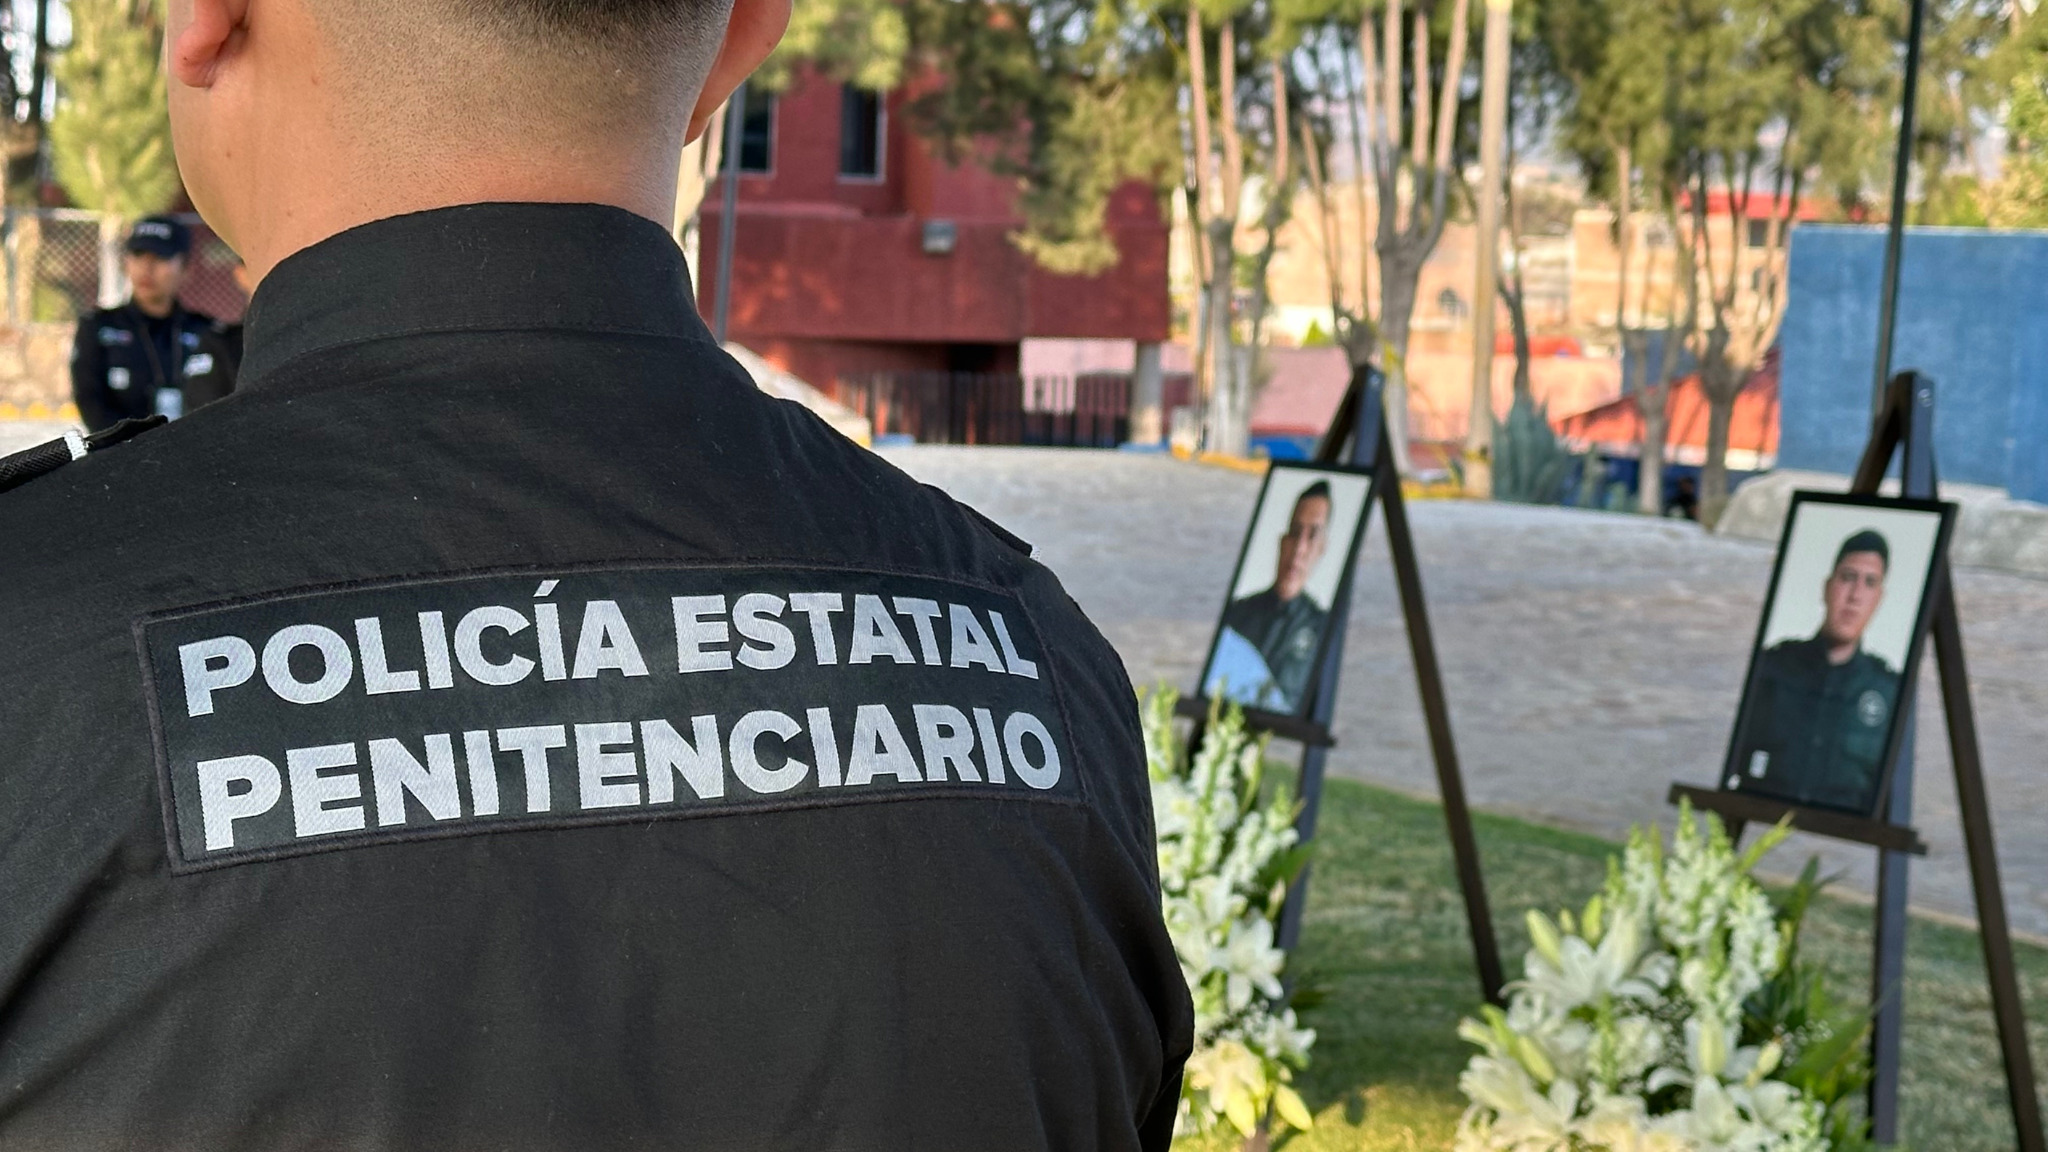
1992,529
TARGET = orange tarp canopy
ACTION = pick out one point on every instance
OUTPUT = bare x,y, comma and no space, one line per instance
1616,427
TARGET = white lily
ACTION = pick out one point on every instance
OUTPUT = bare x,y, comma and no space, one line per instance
1640,1000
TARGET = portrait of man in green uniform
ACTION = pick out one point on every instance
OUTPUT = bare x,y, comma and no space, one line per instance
1271,635
1821,708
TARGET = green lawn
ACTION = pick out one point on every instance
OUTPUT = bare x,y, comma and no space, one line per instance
1385,938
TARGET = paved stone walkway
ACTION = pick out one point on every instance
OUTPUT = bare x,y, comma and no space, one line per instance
1590,659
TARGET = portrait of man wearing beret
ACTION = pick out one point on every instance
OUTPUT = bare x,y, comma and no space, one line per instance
1821,708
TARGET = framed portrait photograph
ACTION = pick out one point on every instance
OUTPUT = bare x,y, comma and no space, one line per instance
1294,565
1842,631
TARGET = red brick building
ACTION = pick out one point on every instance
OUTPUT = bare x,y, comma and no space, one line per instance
859,251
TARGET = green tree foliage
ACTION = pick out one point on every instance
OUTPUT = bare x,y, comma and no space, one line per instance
1069,97
1109,134
1955,200
860,42
1963,80
21,125
2020,198
1699,110
111,135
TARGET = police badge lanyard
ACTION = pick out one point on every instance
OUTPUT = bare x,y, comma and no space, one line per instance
156,364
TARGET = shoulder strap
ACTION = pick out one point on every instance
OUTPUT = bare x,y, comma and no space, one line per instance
1014,541
30,463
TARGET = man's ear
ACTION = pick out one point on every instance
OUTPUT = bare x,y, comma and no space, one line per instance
200,33
751,33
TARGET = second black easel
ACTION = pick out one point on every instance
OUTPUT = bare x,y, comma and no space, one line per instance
1905,427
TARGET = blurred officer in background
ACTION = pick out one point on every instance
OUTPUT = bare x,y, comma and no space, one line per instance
149,355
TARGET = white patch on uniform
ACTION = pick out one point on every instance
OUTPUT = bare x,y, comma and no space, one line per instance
189,339
199,364
117,378
1759,763
111,337
1871,708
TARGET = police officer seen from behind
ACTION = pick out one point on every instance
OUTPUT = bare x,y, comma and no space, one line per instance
540,739
1821,708
148,355
1283,622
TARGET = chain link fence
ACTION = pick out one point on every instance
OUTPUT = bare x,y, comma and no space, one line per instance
60,263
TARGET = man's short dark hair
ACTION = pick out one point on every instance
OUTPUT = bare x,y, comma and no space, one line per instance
1320,490
1868,540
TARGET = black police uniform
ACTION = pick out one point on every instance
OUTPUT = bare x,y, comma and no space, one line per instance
499,725
1816,731
1286,633
126,364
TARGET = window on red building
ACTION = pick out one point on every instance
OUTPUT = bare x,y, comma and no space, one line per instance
757,132
860,133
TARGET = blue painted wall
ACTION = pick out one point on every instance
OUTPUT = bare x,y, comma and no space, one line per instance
1973,313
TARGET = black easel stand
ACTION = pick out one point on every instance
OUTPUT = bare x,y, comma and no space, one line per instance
1358,436
1905,424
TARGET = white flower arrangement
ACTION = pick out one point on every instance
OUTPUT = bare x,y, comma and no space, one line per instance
1226,857
1670,1016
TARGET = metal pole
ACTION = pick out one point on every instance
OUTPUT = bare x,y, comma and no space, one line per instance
1895,235
39,72
729,207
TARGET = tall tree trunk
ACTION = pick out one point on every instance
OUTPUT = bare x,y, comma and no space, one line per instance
1230,414
1648,391
1722,382
1714,477
1226,431
1277,209
1654,402
1515,296
1493,115
1198,311
1398,281
1201,206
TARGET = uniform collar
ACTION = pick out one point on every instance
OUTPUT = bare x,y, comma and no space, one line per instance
477,267
177,315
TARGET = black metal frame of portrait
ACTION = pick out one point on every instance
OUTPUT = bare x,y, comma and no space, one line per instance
1737,776
1265,717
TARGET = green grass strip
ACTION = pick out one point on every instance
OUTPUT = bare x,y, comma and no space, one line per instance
1386,945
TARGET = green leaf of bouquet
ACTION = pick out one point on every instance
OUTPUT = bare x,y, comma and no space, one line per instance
1287,1103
